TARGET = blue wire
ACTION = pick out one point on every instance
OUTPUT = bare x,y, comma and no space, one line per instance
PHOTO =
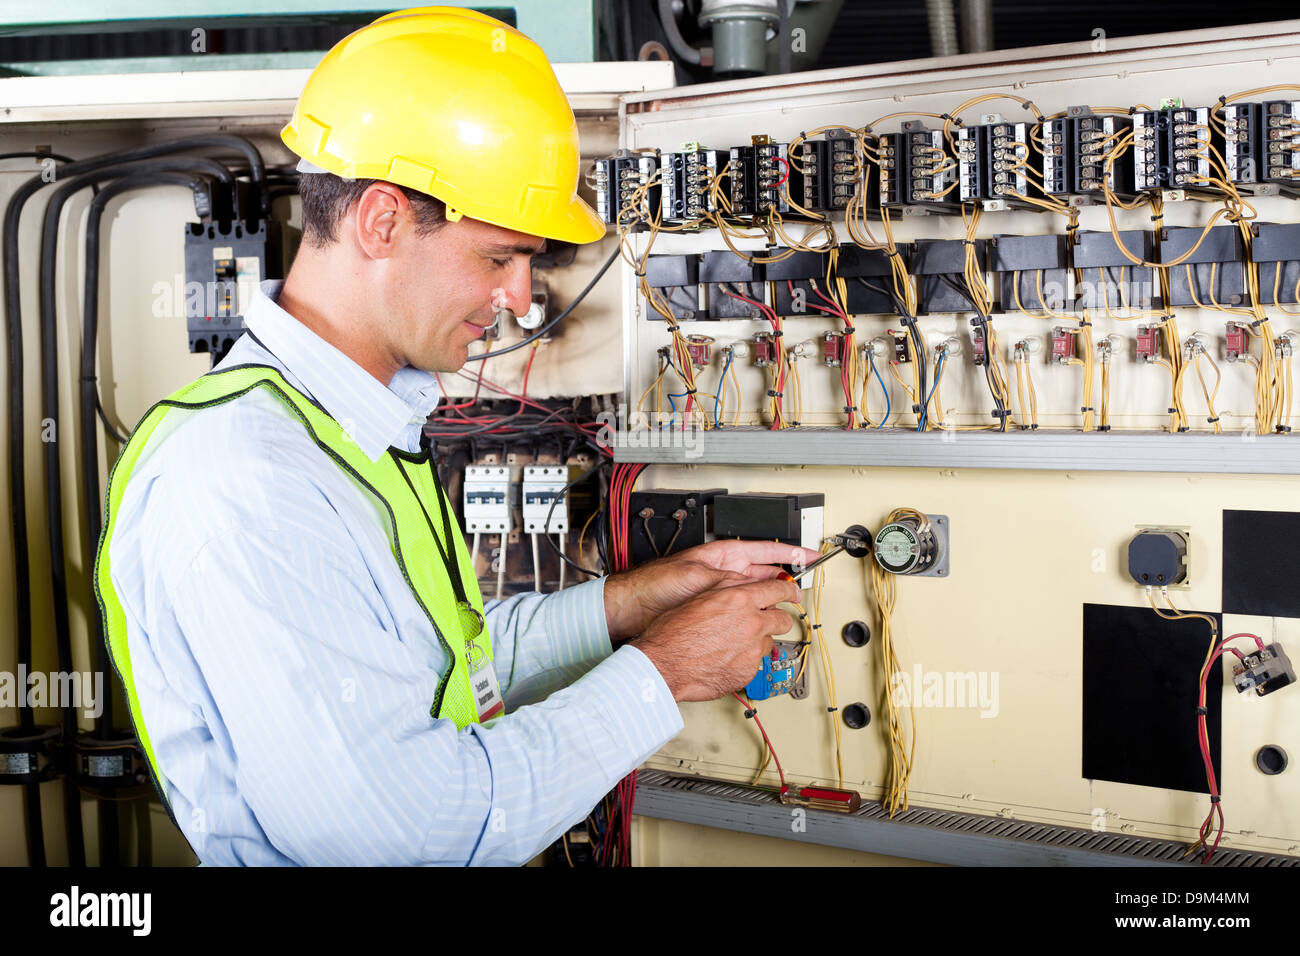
871,360
938,368
717,399
673,406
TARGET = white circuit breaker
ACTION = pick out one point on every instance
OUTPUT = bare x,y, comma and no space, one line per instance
543,484
487,499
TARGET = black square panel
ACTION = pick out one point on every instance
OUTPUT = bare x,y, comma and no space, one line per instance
1261,563
1140,691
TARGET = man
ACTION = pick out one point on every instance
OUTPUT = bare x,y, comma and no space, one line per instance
296,622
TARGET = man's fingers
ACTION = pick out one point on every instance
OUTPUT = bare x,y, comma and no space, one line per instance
778,622
745,554
770,592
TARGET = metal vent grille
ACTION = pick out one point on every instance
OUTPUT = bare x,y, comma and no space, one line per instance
1049,837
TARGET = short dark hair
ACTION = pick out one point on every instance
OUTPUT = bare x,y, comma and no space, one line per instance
326,199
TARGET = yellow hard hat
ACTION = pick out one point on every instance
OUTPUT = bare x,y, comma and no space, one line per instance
454,104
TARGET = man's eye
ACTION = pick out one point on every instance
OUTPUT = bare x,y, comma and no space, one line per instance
501,263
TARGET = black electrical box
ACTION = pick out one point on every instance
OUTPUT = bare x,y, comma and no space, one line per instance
1108,278
1211,275
916,169
224,262
762,516
687,183
1172,149
869,278
728,277
665,521
677,279
758,179
939,265
1030,272
1276,249
993,163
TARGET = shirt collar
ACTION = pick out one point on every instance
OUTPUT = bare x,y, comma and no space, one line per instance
374,416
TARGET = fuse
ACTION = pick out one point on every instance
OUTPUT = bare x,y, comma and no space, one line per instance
833,349
1235,345
1148,342
700,349
1063,346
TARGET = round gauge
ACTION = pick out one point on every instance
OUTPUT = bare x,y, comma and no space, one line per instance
897,548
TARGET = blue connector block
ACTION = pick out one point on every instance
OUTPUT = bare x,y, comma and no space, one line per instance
775,677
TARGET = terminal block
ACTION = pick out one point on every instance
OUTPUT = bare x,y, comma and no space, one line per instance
826,173
1075,150
1171,149
488,504
758,179
916,169
781,672
687,184
617,179
544,510
665,521
1261,148
992,162
227,261
1264,671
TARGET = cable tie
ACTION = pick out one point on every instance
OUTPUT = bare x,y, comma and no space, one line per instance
849,330
1173,411
1101,428
1086,408
1000,413
803,616
775,394
1158,218
674,328
1035,426
831,710
1213,420
968,242
778,333
1183,428
1214,798
816,627
1223,101
916,409
751,711
946,116
795,424
639,275
1283,428
848,409
691,391
1084,323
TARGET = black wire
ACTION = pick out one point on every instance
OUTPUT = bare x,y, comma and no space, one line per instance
554,502
555,321
982,322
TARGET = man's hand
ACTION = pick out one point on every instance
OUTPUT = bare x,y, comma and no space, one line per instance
635,598
714,643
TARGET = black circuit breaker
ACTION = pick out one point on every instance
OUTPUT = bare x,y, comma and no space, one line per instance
917,170
665,521
939,266
1075,148
677,280
687,183
729,280
616,180
1030,272
224,262
758,179
1106,278
867,277
1172,149
760,516
993,163
1213,274
1263,671
1276,249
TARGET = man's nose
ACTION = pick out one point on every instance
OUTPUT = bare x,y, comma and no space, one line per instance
519,287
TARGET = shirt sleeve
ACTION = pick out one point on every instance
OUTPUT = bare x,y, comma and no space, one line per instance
542,642
326,713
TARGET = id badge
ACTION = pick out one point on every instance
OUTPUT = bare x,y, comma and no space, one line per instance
483,684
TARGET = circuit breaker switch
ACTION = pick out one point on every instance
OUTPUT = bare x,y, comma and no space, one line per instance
1263,671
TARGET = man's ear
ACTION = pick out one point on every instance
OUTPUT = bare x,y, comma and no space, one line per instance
378,211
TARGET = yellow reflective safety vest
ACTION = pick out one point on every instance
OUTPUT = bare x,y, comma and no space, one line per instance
404,484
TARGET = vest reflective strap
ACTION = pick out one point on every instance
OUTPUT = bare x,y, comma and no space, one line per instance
408,532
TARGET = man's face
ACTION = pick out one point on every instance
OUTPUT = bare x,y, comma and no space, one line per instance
451,284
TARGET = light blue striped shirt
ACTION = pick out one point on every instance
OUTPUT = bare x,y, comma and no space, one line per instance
285,671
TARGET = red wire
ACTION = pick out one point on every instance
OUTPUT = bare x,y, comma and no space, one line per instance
786,178
748,705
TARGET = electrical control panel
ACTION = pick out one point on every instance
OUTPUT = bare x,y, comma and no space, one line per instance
789,518
665,521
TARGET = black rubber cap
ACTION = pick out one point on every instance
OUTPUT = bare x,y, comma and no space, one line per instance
856,716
